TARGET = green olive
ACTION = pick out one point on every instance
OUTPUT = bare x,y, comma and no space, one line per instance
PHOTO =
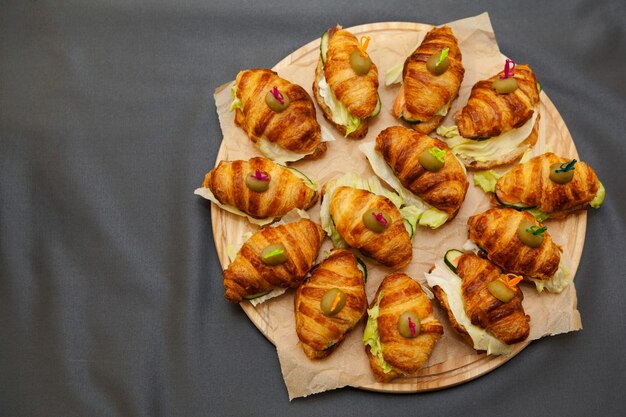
524,232
501,291
274,254
376,220
274,104
360,64
561,177
431,64
505,85
429,161
333,301
257,184
409,325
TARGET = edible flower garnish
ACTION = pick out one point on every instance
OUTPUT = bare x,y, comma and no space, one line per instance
443,56
569,166
437,153
412,327
511,280
336,301
278,95
536,230
379,217
508,69
260,175
363,44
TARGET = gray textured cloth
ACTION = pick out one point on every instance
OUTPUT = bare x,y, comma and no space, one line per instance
107,125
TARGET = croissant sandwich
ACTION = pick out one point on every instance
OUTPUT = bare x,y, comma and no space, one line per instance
552,185
483,304
346,82
519,244
330,303
431,78
372,223
274,257
401,330
421,169
500,120
277,115
258,188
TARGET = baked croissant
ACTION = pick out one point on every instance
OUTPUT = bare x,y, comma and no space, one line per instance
319,330
506,321
403,356
249,274
424,98
444,189
391,247
295,128
528,185
357,92
285,192
496,232
488,113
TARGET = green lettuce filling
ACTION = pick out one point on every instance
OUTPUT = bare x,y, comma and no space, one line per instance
371,336
599,198
557,283
486,180
338,110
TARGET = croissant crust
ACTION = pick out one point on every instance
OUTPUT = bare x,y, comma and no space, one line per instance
295,128
392,247
488,113
444,189
529,184
248,275
495,231
422,94
286,191
406,355
318,333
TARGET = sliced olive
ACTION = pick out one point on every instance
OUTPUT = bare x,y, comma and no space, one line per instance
333,301
409,325
560,175
360,64
431,64
274,254
258,183
430,162
376,220
505,85
501,291
274,103
529,234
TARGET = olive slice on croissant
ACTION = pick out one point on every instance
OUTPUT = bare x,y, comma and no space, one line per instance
330,303
258,187
273,257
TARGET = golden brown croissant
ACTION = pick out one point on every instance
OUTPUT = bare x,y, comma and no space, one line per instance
506,321
444,189
285,191
529,185
398,295
358,93
295,128
488,113
251,274
320,333
423,95
391,247
496,232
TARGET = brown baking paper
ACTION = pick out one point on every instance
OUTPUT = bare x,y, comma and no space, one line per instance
452,361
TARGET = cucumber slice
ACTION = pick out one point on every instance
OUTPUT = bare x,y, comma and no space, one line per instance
362,267
377,109
451,259
257,295
516,206
409,228
324,46
410,121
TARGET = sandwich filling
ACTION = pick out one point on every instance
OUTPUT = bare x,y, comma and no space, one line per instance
371,336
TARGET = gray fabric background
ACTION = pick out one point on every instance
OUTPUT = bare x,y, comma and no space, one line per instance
107,125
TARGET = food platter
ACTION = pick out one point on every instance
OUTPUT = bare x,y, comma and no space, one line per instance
452,362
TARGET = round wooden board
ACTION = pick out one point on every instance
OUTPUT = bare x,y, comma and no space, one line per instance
298,67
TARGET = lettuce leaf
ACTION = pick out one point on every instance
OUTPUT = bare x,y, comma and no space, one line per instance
486,180
599,198
558,282
394,74
371,336
338,110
